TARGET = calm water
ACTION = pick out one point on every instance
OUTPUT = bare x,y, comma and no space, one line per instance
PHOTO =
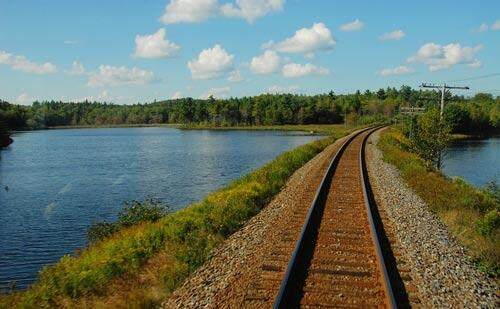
477,161
61,181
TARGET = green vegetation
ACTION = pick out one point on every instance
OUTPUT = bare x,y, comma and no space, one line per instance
142,264
429,137
471,214
477,115
133,213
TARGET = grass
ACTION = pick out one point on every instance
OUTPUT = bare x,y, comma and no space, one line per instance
139,266
472,215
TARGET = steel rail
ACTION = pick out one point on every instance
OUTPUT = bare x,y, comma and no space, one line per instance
365,184
289,291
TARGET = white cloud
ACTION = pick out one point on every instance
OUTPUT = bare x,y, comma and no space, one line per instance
24,99
216,92
76,69
176,95
235,76
393,35
251,9
475,64
117,76
496,25
21,63
294,70
154,46
189,11
211,63
400,70
355,25
103,96
438,57
483,27
306,41
275,89
266,63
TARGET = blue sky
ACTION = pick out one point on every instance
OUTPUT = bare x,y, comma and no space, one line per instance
138,51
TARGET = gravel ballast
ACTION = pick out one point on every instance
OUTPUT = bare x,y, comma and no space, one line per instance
439,266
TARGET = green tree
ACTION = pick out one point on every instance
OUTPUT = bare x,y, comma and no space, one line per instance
431,137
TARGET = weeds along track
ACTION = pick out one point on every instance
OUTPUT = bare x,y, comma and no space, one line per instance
337,259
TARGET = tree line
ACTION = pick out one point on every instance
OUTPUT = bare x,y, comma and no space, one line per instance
480,113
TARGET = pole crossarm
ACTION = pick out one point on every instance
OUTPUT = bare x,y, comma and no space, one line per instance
443,88
424,85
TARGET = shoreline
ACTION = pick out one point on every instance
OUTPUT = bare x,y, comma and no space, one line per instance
462,137
314,129
311,129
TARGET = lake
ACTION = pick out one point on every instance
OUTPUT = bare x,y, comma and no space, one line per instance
477,161
55,183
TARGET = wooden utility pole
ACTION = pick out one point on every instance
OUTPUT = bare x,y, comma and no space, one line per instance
443,88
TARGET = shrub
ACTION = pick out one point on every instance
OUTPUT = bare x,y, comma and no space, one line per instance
132,213
489,223
100,230
135,212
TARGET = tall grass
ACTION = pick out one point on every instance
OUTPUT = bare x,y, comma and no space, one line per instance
471,214
181,241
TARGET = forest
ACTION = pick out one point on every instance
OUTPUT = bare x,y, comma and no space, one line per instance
478,114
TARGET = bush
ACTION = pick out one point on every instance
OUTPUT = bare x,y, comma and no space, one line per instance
489,223
133,212
100,230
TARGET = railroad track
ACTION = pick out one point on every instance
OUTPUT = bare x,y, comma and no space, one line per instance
337,260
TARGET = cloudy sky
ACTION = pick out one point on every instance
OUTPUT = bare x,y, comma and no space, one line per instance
138,51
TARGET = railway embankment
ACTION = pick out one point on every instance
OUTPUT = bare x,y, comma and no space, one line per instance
434,268
440,267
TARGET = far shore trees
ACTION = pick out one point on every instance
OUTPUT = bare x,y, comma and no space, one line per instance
477,115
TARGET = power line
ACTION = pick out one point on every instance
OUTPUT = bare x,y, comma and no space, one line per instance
443,88
474,78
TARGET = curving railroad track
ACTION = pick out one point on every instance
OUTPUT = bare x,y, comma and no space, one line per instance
337,260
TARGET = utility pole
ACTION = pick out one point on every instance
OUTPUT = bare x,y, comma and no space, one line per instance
443,88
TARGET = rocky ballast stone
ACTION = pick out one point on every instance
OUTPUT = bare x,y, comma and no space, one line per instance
440,267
